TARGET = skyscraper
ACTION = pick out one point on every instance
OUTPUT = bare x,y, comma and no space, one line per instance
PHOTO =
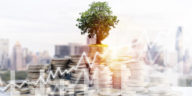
69,50
77,49
43,57
17,58
61,51
179,43
4,49
179,48
27,56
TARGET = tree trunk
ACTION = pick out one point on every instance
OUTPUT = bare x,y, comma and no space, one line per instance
98,40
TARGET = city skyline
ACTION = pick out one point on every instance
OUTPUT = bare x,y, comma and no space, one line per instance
19,57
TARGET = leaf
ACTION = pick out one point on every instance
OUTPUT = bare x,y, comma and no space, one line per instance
97,20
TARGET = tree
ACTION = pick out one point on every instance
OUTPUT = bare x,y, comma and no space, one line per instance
97,21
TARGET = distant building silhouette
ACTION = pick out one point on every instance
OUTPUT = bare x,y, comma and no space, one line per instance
30,58
179,44
61,51
71,49
17,57
43,57
179,48
155,54
78,49
4,50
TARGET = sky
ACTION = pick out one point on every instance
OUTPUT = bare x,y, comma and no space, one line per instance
41,24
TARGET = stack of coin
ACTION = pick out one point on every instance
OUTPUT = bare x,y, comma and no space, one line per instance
102,77
128,93
158,91
81,68
138,70
61,87
162,91
59,63
159,86
70,90
125,74
34,71
76,62
157,79
116,69
109,92
121,74
137,79
81,88
80,76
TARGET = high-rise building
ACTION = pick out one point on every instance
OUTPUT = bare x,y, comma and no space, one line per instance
4,49
186,62
43,57
70,50
179,44
77,49
73,48
27,56
17,58
61,51
154,54
179,48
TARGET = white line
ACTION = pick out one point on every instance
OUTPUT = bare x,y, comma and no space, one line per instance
58,71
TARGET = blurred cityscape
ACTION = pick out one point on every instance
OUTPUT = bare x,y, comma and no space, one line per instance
20,57
151,66
154,55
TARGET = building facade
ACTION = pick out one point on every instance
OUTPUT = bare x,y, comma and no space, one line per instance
71,49
4,51
17,58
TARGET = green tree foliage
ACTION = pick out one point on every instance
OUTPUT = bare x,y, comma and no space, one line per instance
97,20
19,75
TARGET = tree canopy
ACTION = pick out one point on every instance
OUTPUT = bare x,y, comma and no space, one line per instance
97,21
